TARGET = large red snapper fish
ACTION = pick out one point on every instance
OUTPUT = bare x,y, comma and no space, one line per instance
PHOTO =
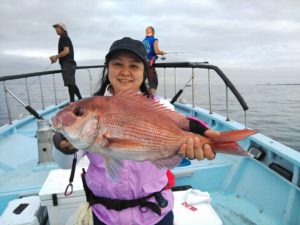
139,129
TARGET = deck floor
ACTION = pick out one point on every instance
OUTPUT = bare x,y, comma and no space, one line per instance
234,210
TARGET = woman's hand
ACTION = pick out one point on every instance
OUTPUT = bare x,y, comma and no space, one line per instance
196,149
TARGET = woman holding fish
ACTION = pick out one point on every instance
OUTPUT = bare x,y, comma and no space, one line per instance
130,140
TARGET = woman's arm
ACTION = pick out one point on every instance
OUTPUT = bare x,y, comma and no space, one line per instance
157,50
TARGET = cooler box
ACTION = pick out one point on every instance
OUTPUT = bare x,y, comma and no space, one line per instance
197,213
59,206
24,211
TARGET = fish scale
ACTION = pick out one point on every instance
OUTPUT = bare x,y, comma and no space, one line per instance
134,129
139,129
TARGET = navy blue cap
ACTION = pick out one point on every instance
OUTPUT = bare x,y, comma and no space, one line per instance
128,44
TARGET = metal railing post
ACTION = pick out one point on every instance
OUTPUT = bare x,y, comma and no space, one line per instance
165,92
27,90
91,82
193,87
209,91
54,88
227,105
42,96
175,88
7,104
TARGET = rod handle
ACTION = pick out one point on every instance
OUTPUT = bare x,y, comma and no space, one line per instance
176,96
33,112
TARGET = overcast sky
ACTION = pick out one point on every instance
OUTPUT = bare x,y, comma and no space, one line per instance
229,33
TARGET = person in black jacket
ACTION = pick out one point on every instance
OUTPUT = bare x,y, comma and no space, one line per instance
66,60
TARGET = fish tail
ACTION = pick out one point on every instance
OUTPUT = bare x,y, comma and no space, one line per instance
233,136
226,142
231,148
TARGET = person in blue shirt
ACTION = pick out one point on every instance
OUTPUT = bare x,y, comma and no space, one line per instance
152,49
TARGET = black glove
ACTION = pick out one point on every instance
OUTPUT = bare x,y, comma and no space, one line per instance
57,139
197,126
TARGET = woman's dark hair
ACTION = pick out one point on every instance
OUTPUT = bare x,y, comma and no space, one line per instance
104,82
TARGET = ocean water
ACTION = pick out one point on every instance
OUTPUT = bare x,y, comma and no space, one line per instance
273,99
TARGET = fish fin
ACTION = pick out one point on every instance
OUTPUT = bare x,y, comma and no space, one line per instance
231,148
112,167
102,138
130,95
234,135
169,162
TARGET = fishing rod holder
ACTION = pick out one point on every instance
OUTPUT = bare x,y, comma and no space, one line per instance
44,136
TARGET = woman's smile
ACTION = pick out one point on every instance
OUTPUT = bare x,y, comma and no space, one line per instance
125,80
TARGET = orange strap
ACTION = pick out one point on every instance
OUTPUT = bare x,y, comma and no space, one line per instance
171,179
151,62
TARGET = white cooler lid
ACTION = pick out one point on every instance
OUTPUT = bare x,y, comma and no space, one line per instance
26,217
57,182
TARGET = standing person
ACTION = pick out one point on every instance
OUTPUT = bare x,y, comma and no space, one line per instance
66,60
152,49
132,198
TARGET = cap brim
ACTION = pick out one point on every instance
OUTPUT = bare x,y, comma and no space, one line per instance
57,25
108,55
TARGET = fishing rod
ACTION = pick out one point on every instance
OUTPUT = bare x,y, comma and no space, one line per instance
46,68
180,91
174,53
163,57
27,107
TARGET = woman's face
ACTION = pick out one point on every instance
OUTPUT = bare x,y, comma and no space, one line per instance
125,71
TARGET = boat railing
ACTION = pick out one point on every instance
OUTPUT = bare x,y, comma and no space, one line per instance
165,66
205,65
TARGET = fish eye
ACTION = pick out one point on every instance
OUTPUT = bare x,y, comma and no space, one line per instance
78,111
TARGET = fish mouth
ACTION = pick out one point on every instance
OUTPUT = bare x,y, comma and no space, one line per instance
75,137
56,123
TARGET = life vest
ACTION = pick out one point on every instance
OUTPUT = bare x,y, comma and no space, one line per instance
149,46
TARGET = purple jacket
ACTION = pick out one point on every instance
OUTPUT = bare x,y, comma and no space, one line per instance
135,180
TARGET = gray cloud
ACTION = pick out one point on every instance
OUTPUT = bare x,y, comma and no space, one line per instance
231,33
